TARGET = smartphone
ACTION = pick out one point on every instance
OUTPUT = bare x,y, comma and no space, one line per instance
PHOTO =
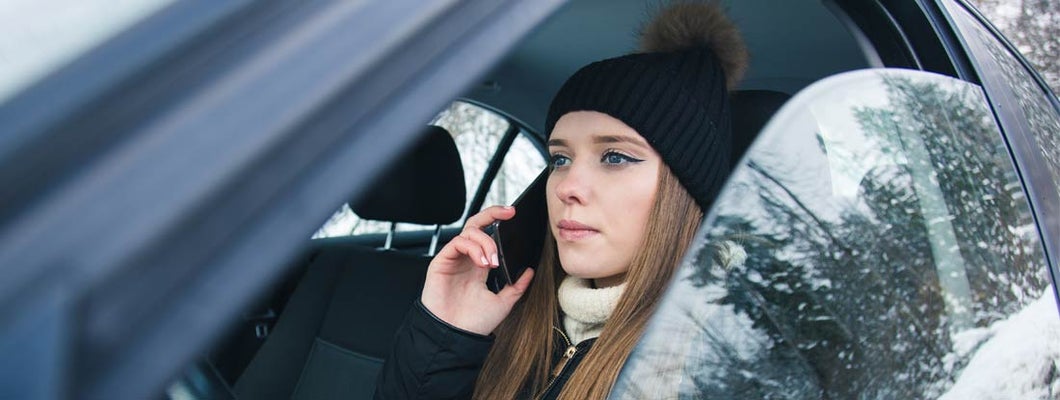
520,239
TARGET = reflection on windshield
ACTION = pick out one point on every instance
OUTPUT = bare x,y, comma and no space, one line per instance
888,245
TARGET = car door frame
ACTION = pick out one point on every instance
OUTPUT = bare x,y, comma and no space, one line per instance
187,160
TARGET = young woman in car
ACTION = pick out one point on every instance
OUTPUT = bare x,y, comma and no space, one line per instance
639,147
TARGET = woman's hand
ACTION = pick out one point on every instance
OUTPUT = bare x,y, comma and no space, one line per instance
455,289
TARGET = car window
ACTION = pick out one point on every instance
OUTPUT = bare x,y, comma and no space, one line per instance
1006,71
521,165
41,36
478,134
875,243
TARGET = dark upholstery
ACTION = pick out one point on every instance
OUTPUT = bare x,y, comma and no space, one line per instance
276,368
331,338
419,188
356,301
751,109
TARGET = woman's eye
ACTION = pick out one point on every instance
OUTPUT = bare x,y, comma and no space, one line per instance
616,158
559,161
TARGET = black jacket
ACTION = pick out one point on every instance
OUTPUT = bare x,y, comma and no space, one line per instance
434,360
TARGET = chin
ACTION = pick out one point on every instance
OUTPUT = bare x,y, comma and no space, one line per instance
585,267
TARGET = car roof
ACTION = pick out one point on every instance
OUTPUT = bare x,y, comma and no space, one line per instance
786,54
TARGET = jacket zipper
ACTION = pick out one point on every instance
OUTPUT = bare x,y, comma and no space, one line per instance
567,356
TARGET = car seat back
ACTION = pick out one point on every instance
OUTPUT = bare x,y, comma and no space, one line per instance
331,339
751,109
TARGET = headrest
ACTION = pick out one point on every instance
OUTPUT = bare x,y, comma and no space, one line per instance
425,186
751,109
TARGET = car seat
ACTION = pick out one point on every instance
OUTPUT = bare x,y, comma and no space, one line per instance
332,337
751,109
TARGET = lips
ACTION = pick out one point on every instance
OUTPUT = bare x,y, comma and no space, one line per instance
574,230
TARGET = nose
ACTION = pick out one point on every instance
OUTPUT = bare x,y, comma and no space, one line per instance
572,185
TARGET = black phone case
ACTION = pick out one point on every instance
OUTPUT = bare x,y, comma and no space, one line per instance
520,239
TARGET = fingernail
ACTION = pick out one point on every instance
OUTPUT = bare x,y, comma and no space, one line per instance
508,207
496,261
485,261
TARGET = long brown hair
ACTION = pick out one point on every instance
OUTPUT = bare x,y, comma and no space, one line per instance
521,357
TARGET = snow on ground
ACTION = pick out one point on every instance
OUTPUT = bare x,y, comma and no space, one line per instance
1015,358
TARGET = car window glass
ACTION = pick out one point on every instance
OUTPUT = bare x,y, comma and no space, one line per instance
478,133
41,36
521,165
875,243
1032,100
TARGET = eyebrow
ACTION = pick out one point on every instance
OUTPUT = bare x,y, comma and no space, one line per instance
600,139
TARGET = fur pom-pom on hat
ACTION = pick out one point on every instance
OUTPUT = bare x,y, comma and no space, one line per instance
683,26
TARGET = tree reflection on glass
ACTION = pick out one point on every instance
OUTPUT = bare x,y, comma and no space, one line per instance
883,225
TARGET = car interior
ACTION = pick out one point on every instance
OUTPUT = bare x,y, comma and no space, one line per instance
325,329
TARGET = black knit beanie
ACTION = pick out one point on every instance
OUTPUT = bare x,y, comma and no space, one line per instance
676,98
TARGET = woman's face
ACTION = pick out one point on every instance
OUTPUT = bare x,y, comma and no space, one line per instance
600,192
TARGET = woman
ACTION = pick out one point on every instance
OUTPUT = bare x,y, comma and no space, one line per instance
639,147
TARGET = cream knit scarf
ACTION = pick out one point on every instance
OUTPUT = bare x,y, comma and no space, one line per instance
585,309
